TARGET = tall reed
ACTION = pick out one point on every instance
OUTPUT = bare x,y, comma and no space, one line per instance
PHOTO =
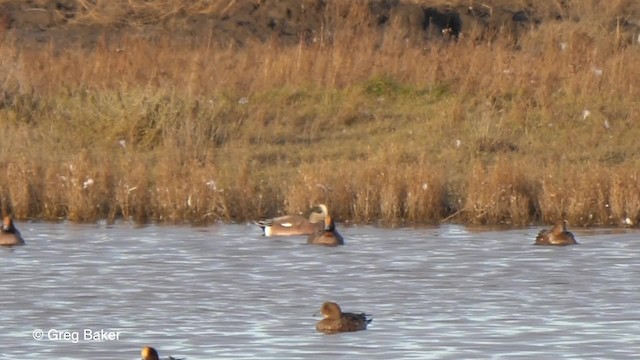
382,130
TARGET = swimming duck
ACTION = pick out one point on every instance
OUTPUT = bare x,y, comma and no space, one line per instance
558,235
327,235
9,235
294,224
336,321
149,353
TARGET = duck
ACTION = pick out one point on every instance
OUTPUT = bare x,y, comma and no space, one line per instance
149,353
327,235
288,225
9,235
336,321
557,235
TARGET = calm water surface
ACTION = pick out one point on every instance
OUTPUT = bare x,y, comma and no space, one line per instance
225,291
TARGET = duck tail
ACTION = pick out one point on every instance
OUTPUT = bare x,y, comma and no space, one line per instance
367,318
263,224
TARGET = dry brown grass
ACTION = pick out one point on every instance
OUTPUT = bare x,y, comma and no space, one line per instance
504,193
382,132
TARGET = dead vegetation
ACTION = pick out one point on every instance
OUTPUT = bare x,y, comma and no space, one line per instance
385,123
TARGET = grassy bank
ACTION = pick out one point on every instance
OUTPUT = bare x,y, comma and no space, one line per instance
162,130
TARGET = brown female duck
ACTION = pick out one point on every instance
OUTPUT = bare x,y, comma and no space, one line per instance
9,235
149,353
336,321
558,236
327,235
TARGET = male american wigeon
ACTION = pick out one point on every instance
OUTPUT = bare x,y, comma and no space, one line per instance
294,224
9,235
327,235
336,321
149,353
558,235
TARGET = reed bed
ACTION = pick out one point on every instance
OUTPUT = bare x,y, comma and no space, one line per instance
383,131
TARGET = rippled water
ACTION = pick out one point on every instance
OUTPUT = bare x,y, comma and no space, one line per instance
225,291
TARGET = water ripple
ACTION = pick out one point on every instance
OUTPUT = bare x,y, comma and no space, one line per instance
227,292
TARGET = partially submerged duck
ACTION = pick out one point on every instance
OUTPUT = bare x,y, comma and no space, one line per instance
149,353
557,235
294,224
9,235
336,321
327,235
